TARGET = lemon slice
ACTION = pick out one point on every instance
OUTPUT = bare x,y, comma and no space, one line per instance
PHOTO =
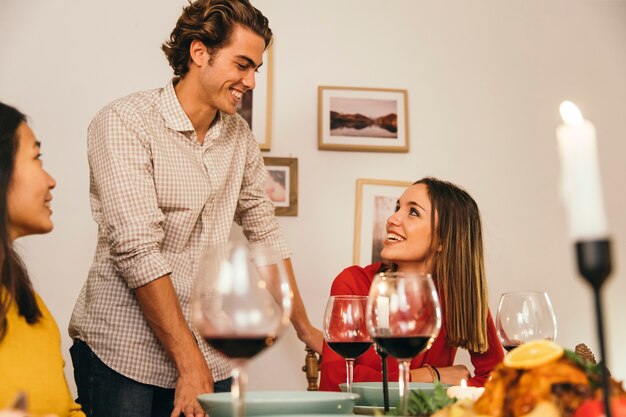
532,354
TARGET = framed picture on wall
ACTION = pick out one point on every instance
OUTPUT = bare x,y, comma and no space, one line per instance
375,202
281,185
256,105
362,119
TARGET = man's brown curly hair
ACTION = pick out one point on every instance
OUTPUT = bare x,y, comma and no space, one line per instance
211,22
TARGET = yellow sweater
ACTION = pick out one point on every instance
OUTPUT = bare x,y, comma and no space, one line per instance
31,361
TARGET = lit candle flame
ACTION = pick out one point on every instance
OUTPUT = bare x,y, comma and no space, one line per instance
570,114
580,175
463,383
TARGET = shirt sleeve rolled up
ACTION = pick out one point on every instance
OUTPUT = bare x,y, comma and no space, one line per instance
123,195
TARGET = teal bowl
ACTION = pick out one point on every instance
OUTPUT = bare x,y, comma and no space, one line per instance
371,393
276,403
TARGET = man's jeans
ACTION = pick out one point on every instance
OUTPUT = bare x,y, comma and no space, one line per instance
102,392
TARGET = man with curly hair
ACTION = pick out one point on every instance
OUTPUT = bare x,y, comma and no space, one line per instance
170,170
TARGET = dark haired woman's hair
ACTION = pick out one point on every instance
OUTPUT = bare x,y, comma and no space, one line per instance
458,264
211,22
15,285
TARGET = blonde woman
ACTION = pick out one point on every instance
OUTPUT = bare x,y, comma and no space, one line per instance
435,229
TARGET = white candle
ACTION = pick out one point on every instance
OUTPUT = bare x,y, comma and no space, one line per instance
580,175
463,392
382,311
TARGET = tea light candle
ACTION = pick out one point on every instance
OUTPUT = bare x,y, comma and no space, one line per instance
580,175
463,392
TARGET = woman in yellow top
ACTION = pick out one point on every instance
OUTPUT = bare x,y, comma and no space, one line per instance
31,365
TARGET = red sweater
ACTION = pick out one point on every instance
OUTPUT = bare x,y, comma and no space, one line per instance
356,280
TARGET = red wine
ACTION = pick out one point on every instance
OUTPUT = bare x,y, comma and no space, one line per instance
403,347
240,347
350,350
511,346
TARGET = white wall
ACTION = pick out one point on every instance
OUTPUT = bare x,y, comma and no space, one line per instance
484,79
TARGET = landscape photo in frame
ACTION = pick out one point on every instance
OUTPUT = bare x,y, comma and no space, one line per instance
362,119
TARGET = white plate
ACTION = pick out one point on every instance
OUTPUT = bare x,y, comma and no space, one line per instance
275,403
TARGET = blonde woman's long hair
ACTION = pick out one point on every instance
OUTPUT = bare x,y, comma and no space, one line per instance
458,265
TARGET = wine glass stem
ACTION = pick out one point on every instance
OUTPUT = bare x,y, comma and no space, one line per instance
403,387
240,380
349,374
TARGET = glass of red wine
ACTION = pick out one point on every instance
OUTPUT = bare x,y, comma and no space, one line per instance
403,317
241,301
524,316
345,329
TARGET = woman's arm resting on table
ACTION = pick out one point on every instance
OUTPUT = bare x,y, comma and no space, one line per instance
449,374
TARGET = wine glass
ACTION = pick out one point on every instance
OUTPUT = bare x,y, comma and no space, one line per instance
403,317
524,316
345,329
241,301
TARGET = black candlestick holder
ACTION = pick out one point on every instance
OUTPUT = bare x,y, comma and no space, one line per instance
594,264
383,357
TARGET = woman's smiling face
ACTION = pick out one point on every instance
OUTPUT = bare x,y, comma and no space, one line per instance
28,196
409,238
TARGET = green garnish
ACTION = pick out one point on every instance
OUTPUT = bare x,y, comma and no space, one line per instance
425,403
591,369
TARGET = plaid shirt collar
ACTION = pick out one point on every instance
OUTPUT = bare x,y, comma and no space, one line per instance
176,118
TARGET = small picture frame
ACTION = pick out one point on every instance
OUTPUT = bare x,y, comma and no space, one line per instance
375,202
281,186
362,119
256,105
